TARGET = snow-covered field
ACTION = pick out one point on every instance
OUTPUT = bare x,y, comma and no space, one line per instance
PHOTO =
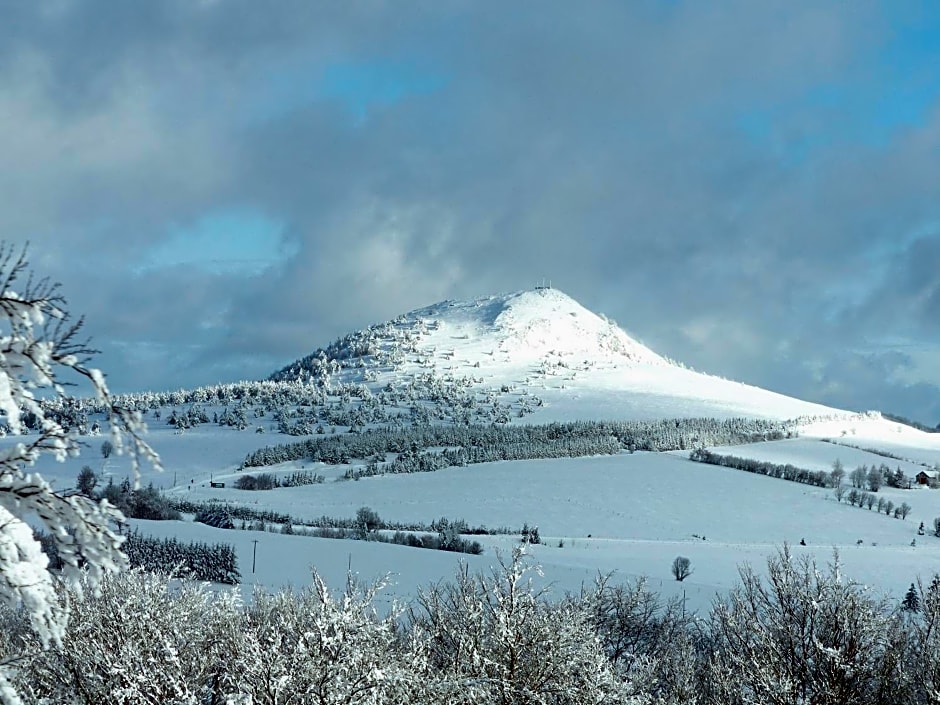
629,513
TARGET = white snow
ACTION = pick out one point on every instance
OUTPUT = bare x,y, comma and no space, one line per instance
640,510
581,365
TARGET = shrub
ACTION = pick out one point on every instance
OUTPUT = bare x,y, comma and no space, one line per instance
367,522
261,481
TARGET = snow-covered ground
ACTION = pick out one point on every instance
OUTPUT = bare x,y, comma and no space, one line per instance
629,513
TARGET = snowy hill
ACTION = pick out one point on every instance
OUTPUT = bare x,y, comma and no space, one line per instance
571,363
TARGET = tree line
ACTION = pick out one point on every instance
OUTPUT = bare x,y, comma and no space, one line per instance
477,443
819,478
225,514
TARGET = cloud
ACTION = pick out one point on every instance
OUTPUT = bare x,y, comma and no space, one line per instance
726,179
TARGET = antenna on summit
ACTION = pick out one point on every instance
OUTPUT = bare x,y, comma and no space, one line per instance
543,285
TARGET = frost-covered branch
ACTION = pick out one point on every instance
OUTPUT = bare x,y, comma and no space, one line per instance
41,355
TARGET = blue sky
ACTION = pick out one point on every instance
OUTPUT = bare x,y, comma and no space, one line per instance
360,86
747,187
236,239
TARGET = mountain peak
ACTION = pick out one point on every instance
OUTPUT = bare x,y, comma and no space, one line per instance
537,322
536,351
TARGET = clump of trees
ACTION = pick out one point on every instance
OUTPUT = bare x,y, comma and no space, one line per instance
171,557
448,537
478,443
796,633
216,516
861,478
270,481
909,422
265,517
133,502
194,560
261,481
442,534
530,534
233,511
805,634
873,478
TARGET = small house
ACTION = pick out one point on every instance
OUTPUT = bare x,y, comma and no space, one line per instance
925,477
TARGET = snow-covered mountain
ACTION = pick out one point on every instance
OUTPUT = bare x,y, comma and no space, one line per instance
543,356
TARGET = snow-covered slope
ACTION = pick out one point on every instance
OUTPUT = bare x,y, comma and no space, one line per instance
546,355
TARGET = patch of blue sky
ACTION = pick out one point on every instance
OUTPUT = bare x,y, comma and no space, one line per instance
870,116
894,88
912,67
241,240
359,87
768,128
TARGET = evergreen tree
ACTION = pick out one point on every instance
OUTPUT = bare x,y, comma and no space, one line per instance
911,602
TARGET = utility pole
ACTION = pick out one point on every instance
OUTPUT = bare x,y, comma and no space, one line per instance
254,555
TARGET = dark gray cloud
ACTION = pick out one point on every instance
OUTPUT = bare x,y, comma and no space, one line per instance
736,183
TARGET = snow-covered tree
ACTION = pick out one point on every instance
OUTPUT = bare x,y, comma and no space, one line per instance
904,510
874,479
318,647
40,349
367,522
924,663
648,640
140,639
804,635
858,476
505,641
837,473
